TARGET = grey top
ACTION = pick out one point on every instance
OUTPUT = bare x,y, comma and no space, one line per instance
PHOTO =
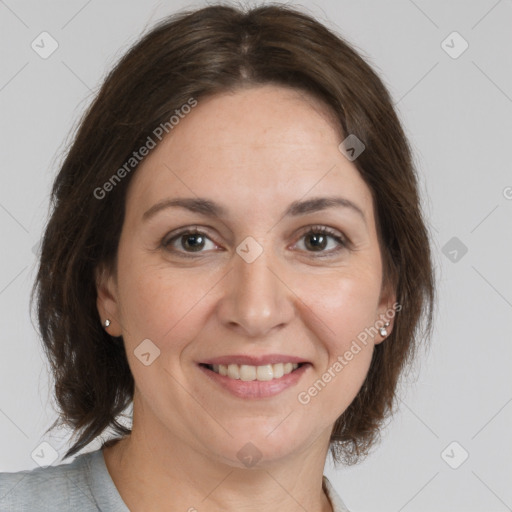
83,485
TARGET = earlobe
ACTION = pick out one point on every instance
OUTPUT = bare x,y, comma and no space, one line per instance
107,302
383,331
387,312
384,327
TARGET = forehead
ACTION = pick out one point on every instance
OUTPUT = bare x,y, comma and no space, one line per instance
257,146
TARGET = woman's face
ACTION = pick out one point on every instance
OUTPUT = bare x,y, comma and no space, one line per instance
251,287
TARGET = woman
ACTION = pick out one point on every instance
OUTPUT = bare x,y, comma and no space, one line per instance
237,250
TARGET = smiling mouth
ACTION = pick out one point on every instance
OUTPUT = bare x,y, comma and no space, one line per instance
246,372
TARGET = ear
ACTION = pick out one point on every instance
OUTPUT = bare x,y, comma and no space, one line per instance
107,300
387,310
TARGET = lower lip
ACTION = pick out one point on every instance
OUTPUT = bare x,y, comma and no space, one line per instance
256,388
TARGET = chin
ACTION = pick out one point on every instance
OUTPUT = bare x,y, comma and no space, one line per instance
259,448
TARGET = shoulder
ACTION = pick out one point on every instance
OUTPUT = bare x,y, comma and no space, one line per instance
51,488
334,498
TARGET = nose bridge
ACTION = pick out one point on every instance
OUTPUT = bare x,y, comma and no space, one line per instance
255,301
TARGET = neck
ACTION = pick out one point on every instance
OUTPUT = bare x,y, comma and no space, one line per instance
173,476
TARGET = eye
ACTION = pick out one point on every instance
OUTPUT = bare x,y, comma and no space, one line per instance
316,239
188,240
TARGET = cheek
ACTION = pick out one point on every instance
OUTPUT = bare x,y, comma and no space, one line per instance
346,302
165,308
343,311
162,305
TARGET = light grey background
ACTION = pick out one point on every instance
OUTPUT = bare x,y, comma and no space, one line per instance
458,115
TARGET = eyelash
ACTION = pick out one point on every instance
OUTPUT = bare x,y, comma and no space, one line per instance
322,230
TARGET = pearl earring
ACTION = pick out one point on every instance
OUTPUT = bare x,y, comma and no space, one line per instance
383,332
107,322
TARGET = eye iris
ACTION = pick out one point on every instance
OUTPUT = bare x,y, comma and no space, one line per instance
319,241
197,242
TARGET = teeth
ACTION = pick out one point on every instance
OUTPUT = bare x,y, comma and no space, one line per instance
262,373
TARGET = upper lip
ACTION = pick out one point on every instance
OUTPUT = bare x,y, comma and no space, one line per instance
254,360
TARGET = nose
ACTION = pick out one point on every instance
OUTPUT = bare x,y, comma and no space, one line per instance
256,299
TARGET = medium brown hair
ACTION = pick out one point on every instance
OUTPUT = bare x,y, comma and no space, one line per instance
194,54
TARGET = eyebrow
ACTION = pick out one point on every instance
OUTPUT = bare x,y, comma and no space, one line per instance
209,208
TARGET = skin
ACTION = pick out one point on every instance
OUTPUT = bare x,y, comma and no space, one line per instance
254,152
